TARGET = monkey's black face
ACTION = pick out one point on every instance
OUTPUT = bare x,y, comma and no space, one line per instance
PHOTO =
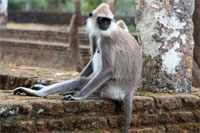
103,23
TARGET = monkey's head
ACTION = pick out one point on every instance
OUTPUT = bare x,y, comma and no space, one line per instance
122,24
100,21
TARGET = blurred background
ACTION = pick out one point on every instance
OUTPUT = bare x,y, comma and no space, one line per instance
123,7
59,12
39,33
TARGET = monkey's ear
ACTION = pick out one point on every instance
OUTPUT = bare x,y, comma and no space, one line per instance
90,15
103,23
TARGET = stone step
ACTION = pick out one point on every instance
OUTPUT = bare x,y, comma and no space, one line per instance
151,112
41,48
175,128
12,76
40,45
29,126
39,53
93,122
185,105
88,125
43,35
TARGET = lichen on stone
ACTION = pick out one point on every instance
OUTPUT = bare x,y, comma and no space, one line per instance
2,110
171,59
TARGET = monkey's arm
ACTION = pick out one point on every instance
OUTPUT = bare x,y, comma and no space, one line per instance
93,44
88,70
100,78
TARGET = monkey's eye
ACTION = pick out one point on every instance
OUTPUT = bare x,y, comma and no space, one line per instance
90,14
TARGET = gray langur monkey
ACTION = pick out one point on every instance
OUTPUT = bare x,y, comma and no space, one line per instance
123,25
116,62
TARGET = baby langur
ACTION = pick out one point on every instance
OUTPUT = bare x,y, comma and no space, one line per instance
122,24
116,62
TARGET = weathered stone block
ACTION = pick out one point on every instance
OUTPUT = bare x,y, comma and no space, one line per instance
149,130
190,101
181,116
90,106
168,102
174,129
143,104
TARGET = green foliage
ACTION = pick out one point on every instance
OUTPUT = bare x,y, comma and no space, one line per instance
89,5
67,6
132,29
24,5
125,7
17,4
39,4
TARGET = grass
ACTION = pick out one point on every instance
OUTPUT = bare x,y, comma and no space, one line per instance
132,29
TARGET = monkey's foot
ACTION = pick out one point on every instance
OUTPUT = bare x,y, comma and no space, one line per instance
37,87
27,91
70,97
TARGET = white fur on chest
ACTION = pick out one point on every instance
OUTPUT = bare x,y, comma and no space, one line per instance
113,92
97,63
96,59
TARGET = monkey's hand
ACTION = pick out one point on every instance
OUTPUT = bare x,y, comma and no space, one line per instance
27,91
70,97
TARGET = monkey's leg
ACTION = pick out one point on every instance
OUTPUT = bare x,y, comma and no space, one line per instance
92,86
64,86
87,71
128,111
37,87
99,79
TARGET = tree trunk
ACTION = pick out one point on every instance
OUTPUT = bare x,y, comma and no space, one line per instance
73,40
196,54
3,13
165,29
111,4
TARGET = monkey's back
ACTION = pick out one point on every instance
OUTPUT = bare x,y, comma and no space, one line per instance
125,57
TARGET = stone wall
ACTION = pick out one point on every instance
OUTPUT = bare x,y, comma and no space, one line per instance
154,113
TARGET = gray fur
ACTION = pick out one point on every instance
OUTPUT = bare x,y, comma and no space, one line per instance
88,70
